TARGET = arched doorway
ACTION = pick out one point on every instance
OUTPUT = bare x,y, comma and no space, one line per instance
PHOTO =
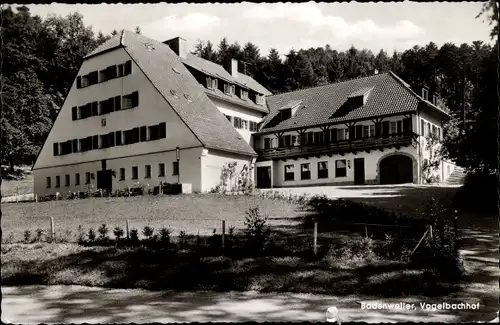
396,169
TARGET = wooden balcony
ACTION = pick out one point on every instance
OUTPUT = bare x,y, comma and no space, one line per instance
341,147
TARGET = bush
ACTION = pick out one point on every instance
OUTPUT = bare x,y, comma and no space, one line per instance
164,237
27,236
134,236
91,235
479,193
80,237
256,230
183,239
148,232
118,232
103,233
39,234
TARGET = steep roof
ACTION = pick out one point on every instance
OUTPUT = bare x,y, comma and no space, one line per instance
385,93
217,71
181,90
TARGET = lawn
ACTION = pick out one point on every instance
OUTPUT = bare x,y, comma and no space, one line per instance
20,186
191,213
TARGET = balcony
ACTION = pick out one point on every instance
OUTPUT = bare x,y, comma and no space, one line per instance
340,147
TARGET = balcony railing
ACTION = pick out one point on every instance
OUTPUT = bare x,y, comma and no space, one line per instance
340,147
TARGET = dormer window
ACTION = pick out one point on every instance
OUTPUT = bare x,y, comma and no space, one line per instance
243,94
435,100
229,89
211,83
425,94
259,99
285,114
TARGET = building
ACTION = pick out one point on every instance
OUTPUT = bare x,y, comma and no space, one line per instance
369,130
133,103
145,112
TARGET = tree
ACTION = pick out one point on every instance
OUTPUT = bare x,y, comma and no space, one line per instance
208,52
490,9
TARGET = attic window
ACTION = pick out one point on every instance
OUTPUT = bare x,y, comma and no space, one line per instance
425,94
176,71
174,93
211,83
229,89
259,99
285,114
243,94
188,98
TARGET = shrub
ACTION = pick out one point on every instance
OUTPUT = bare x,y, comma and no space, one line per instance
134,236
165,237
9,239
65,237
27,236
103,232
91,235
118,232
148,232
479,193
183,239
256,230
80,237
39,234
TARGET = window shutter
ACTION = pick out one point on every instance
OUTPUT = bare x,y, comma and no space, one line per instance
74,113
75,145
56,149
95,109
111,104
378,129
111,139
95,142
118,138
128,67
235,119
406,125
135,99
78,82
162,130
118,103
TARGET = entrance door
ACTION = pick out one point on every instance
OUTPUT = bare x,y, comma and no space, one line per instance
396,169
359,171
264,177
105,180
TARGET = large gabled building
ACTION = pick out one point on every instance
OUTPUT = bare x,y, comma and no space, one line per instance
133,103
370,130
142,111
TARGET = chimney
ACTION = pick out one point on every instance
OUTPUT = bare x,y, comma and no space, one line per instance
232,67
178,45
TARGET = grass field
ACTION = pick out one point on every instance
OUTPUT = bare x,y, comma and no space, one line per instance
192,213
21,186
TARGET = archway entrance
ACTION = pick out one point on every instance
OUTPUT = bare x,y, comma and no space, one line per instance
396,169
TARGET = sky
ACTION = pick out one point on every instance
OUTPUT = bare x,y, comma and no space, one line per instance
283,26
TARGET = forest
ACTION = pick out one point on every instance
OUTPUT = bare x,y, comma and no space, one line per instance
41,57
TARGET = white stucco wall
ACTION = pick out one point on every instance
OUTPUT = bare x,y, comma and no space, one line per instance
152,109
189,172
212,162
241,112
371,164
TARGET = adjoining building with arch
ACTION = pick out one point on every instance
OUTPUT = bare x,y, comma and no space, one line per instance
149,112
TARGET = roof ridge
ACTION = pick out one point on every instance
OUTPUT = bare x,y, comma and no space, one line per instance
122,38
329,84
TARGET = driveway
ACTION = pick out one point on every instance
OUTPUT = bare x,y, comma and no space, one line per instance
76,304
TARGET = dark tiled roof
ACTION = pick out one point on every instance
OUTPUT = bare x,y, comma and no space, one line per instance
184,94
113,42
217,71
325,104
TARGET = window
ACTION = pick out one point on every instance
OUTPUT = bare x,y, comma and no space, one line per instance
399,129
428,129
434,130
75,145
107,106
85,111
154,133
385,128
56,149
128,67
340,168
439,134
147,173
48,182
305,171
334,135
121,70
77,179
310,137
318,137
341,136
74,113
358,130
130,100
366,131
66,180
95,142
422,127
285,114
238,122
58,181
161,170
244,124
322,169
289,173
259,99
128,136
175,168
243,94
135,172
253,126
118,138
372,130
211,83
162,130
66,147
425,94
87,178
393,129
228,89
267,143
122,174
143,134
86,144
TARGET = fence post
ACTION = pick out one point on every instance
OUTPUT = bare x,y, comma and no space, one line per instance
126,226
431,236
52,230
366,230
315,237
455,219
223,235
17,193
